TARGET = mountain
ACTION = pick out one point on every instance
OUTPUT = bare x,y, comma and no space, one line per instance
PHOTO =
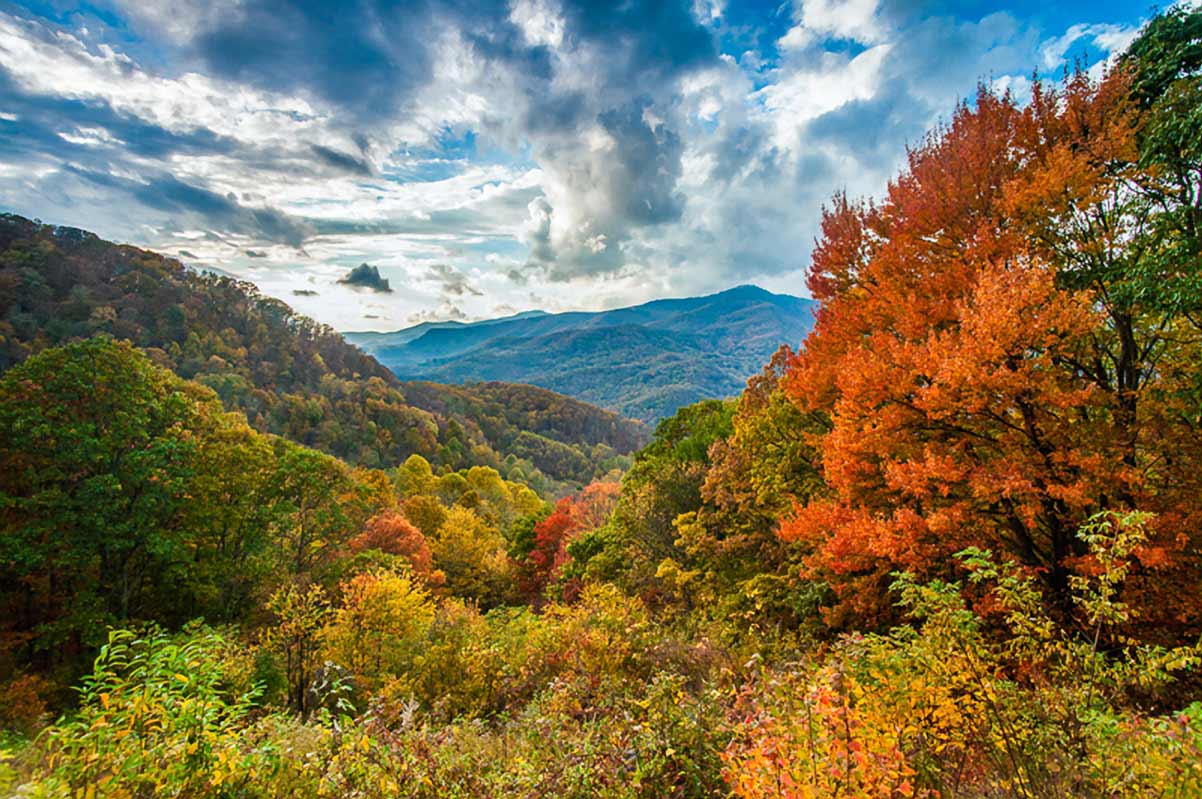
643,362
290,375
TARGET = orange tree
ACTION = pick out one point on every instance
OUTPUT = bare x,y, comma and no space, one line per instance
993,363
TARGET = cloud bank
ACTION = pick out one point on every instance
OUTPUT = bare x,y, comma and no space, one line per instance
481,155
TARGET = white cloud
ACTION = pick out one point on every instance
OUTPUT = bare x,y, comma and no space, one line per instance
817,20
595,186
1108,38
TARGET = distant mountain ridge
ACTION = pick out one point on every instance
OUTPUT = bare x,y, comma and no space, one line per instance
644,361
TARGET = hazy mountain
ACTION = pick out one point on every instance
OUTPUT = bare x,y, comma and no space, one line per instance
644,361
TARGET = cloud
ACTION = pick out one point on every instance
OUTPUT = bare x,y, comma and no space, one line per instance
447,311
1107,38
820,20
368,277
186,201
558,152
452,281
351,164
304,293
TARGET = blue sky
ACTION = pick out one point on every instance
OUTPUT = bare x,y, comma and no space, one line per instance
493,157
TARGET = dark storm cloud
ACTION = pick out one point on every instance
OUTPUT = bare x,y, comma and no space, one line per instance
209,208
556,113
745,151
662,37
369,57
355,165
647,168
367,277
366,57
363,56
304,293
632,185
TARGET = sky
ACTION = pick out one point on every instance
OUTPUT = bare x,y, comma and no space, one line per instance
486,158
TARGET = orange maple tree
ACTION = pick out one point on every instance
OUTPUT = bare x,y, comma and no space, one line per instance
586,510
390,532
989,375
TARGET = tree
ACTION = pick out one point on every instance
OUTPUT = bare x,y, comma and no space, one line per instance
299,613
756,473
98,451
1165,67
990,374
664,482
315,492
543,564
390,532
231,515
383,619
473,557
415,476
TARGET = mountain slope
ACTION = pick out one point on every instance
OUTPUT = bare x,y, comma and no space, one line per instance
288,374
644,361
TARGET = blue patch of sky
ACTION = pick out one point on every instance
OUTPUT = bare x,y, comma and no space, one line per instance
451,153
468,145
1052,18
754,25
104,24
409,166
503,246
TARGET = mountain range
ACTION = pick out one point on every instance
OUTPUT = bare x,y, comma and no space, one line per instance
643,362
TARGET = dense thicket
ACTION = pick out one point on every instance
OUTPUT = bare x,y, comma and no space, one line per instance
128,494
288,374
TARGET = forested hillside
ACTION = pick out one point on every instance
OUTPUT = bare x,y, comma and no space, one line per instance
644,362
288,374
950,548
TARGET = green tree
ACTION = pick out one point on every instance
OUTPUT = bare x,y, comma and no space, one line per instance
98,454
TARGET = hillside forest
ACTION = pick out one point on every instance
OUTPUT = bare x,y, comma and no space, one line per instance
948,546
287,374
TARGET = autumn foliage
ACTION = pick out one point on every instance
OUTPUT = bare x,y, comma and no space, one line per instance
587,510
391,532
993,362
949,548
